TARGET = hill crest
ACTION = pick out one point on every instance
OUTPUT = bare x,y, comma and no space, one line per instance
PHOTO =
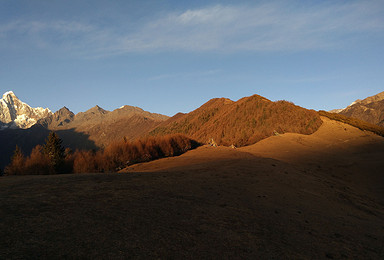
243,122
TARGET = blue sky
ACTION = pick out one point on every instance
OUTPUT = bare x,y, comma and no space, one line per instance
172,56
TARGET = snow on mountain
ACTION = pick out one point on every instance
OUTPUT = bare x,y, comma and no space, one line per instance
369,100
16,114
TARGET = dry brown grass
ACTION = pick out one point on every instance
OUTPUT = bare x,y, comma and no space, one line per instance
219,203
362,125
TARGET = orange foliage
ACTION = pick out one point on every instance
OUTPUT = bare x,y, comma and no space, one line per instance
244,122
17,165
124,153
84,161
38,162
121,154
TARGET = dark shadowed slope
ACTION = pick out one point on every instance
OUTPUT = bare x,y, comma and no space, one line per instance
26,139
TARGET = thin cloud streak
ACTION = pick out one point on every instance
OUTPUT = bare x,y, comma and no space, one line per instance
196,74
259,28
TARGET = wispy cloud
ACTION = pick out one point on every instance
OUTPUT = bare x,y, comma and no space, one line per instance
41,34
220,28
196,74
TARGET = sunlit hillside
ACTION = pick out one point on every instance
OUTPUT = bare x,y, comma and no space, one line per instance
244,122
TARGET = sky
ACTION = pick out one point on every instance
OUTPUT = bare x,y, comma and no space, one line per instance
170,56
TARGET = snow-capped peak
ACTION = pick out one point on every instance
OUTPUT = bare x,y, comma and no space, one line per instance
18,114
355,102
8,93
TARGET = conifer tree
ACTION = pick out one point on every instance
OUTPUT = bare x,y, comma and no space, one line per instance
55,152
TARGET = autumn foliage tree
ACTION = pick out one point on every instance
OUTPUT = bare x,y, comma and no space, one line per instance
38,162
124,153
85,162
47,159
52,158
17,165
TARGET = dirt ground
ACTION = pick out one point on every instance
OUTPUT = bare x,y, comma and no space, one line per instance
286,197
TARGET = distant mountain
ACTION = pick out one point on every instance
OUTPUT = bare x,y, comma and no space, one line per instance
27,127
244,122
16,114
370,109
60,118
104,127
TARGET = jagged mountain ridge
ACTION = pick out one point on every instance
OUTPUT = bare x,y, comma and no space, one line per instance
92,129
104,127
370,109
16,114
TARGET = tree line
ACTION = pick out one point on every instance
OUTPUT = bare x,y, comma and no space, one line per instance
53,158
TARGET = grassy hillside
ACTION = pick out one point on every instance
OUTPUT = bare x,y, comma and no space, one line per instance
243,122
362,125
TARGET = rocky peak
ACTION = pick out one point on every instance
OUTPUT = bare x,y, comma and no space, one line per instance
133,111
97,110
95,113
63,116
60,118
64,111
18,114
9,95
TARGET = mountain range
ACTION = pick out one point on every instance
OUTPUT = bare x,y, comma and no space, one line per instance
95,128
227,122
